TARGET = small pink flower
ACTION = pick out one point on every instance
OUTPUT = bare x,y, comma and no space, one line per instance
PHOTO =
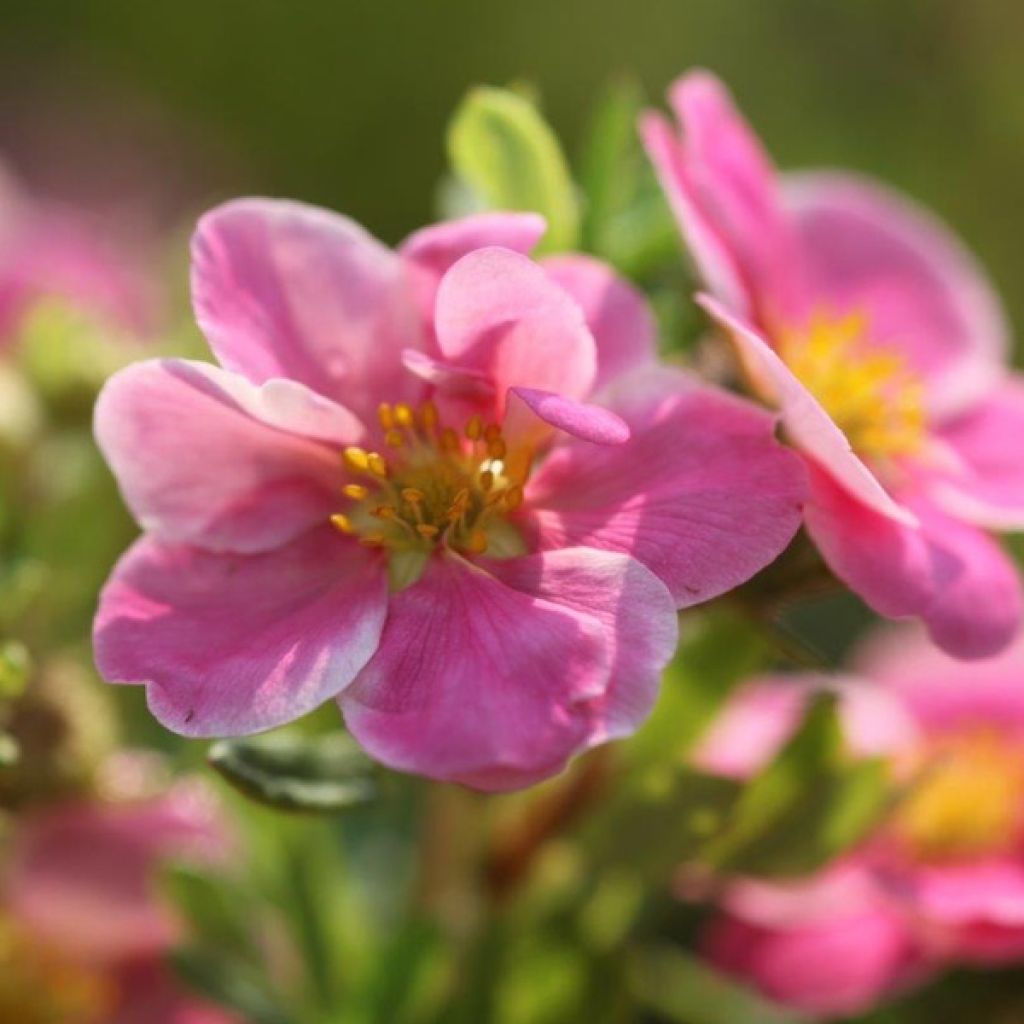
879,339
394,492
942,878
51,250
81,914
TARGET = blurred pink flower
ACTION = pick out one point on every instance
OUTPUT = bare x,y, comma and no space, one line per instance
421,419
84,929
940,880
51,250
882,344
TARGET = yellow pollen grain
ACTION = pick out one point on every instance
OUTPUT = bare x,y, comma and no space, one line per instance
377,465
386,512
342,523
356,459
355,491
477,542
404,416
385,415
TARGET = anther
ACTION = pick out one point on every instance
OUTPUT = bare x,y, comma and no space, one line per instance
357,459
492,433
427,530
477,542
355,491
474,428
428,415
385,415
377,465
449,440
342,523
497,449
386,512
412,495
404,416
394,438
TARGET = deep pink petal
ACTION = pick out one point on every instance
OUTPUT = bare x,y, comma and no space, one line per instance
479,683
204,457
807,424
587,422
616,313
986,485
868,249
702,493
83,876
497,311
949,574
233,644
431,251
282,289
635,609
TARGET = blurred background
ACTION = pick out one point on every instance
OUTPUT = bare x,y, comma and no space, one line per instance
140,115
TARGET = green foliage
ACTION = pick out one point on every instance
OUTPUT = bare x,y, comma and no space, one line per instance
501,146
297,773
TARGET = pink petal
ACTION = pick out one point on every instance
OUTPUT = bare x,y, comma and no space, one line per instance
204,457
150,993
233,644
83,876
431,251
636,611
870,249
949,574
724,192
702,494
837,965
587,422
480,683
987,486
716,264
616,313
451,382
287,290
497,311
807,424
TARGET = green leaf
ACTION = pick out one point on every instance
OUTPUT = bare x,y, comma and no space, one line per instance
809,805
680,988
229,983
297,773
15,666
501,146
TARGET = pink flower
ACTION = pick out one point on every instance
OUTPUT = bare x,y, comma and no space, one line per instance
394,492
878,338
51,250
84,930
942,878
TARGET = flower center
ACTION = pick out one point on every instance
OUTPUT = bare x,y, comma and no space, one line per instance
968,802
435,486
868,390
38,986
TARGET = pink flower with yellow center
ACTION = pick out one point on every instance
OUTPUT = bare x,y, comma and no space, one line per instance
396,490
82,930
941,880
878,338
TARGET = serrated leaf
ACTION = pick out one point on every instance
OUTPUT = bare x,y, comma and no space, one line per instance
501,146
297,773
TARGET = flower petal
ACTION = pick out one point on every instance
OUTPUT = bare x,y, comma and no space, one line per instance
431,251
867,248
282,289
204,457
616,313
808,425
229,644
702,493
497,311
586,422
987,485
635,609
945,572
479,683
81,876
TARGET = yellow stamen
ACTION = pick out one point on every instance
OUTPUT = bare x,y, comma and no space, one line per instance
427,530
356,459
377,465
428,415
385,415
497,449
477,542
355,491
474,428
404,416
342,523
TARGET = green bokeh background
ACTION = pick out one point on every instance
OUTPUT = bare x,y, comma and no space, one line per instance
343,102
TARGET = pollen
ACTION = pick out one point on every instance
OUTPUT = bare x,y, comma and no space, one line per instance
966,798
431,485
869,390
